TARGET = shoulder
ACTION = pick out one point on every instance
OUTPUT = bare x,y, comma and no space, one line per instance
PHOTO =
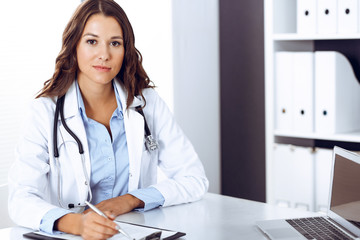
150,94
41,106
151,97
44,102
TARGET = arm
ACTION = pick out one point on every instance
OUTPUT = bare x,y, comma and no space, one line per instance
29,191
119,205
186,180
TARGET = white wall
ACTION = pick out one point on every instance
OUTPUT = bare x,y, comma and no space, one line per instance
152,24
30,41
196,79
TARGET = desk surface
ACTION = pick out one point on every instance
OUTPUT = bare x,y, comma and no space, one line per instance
213,217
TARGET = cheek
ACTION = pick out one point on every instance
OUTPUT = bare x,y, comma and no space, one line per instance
83,57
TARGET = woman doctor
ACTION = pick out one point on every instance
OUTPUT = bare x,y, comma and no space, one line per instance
100,74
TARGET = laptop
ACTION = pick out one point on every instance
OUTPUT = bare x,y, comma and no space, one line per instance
342,220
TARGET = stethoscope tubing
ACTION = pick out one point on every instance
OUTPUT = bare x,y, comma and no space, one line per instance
59,109
151,145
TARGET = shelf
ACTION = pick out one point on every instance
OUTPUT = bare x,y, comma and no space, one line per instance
350,141
297,37
343,137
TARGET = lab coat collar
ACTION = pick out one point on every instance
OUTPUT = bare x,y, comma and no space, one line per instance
71,106
138,100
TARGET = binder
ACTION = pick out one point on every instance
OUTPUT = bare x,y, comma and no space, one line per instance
303,94
348,14
284,91
293,169
303,178
282,171
306,16
323,161
337,94
326,16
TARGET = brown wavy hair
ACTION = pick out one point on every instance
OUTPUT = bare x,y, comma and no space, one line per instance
131,74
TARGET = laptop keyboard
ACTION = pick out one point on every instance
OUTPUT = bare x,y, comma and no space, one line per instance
317,228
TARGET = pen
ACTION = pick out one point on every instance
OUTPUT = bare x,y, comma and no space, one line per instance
102,214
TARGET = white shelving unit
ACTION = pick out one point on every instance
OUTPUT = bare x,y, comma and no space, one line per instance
281,35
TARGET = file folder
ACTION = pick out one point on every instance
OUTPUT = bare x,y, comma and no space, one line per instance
323,161
348,14
306,16
326,16
293,170
284,91
337,94
282,172
303,178
303,94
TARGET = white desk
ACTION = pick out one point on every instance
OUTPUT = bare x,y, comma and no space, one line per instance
214,217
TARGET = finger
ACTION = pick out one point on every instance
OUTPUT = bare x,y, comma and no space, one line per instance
109,223
110,215
98,232
91,234
100,224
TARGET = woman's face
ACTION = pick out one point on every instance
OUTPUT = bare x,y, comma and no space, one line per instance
100,50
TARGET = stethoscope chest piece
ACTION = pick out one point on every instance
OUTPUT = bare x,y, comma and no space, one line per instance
150,143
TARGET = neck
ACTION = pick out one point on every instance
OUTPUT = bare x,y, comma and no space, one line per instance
96,94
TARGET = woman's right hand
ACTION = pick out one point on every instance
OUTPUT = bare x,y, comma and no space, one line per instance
91,226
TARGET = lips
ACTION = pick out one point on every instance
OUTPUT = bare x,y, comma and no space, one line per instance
102,68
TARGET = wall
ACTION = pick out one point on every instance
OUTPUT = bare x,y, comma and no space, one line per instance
152,24
196,80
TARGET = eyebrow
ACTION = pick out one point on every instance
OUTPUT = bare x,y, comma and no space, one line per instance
94,35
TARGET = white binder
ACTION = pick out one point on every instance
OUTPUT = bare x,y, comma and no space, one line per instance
337,94
303,178
348,14
306,16
284,91
282,169
293,171
327,16
323,161
303,94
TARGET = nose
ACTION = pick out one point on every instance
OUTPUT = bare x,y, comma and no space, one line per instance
104,52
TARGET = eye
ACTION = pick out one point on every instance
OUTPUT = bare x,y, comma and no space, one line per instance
115,44
91,41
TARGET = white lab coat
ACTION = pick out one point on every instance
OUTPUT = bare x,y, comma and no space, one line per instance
33,178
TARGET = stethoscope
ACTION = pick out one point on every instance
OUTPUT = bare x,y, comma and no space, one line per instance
150,143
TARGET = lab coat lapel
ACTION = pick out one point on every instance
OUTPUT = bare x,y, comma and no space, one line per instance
134,129
74,121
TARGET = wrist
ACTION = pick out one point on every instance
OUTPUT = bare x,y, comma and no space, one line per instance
69,223
135,202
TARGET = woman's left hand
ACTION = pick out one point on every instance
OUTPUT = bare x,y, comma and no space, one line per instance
119,205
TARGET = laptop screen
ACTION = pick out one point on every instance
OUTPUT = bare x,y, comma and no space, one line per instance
345,192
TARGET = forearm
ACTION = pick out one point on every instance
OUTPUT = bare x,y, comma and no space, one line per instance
69,223
119,205
134,201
